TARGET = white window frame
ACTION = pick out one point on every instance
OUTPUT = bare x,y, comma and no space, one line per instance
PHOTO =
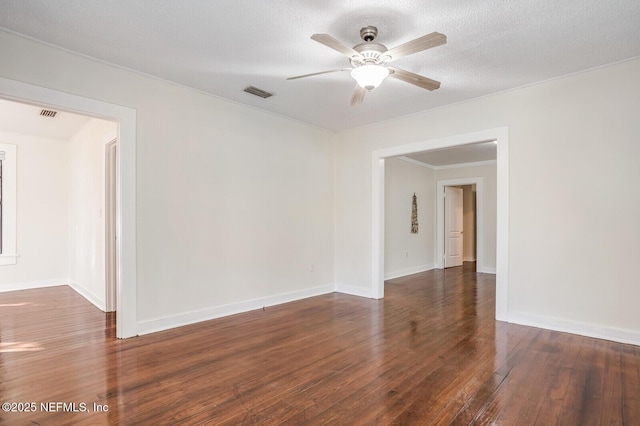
9,255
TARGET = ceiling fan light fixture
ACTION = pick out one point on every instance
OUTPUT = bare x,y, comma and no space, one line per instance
369,76
369,61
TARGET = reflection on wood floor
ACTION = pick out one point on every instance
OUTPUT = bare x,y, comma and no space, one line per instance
429,353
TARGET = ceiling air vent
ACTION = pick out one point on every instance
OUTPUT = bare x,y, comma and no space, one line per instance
48,113
258,92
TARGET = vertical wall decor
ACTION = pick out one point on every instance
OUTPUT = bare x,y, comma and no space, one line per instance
414,215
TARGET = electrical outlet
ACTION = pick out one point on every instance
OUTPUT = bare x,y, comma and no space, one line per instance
406,254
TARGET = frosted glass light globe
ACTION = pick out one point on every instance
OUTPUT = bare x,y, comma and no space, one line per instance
369,76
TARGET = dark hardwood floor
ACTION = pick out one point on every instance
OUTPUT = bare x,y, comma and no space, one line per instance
429,353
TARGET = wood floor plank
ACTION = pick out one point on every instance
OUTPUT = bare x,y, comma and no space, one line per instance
429,353
561,366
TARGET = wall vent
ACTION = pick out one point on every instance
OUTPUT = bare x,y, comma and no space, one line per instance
48,113
258,92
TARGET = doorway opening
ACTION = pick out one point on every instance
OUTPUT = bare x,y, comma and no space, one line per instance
441,234
64,171
464,249
501,137
125,222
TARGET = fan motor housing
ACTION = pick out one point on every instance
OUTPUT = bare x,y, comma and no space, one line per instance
370,53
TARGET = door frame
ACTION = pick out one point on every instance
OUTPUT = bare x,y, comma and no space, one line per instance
440,185
110,216
126,309
500,135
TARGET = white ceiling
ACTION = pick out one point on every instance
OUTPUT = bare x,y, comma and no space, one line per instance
222,46
26,119
464,154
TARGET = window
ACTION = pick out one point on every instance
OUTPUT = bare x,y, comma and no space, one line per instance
7,204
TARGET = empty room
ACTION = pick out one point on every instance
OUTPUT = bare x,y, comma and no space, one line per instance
319,213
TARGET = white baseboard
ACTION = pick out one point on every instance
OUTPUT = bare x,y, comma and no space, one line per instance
486,270
354,291
33,284
590,330
97,301
172,321
468,259
409,271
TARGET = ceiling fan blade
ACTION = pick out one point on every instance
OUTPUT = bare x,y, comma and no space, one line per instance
318,73
335,44
415,79
422,43
358,95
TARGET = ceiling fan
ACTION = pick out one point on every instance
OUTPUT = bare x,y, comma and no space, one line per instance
369,60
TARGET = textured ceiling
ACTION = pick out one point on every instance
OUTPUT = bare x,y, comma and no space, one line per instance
484,151
26,119
222,46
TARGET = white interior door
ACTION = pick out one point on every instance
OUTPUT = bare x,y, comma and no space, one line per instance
453,222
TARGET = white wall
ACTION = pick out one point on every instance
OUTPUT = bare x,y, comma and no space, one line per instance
488,175
86,209
406,253
572,196
42,213
235,206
